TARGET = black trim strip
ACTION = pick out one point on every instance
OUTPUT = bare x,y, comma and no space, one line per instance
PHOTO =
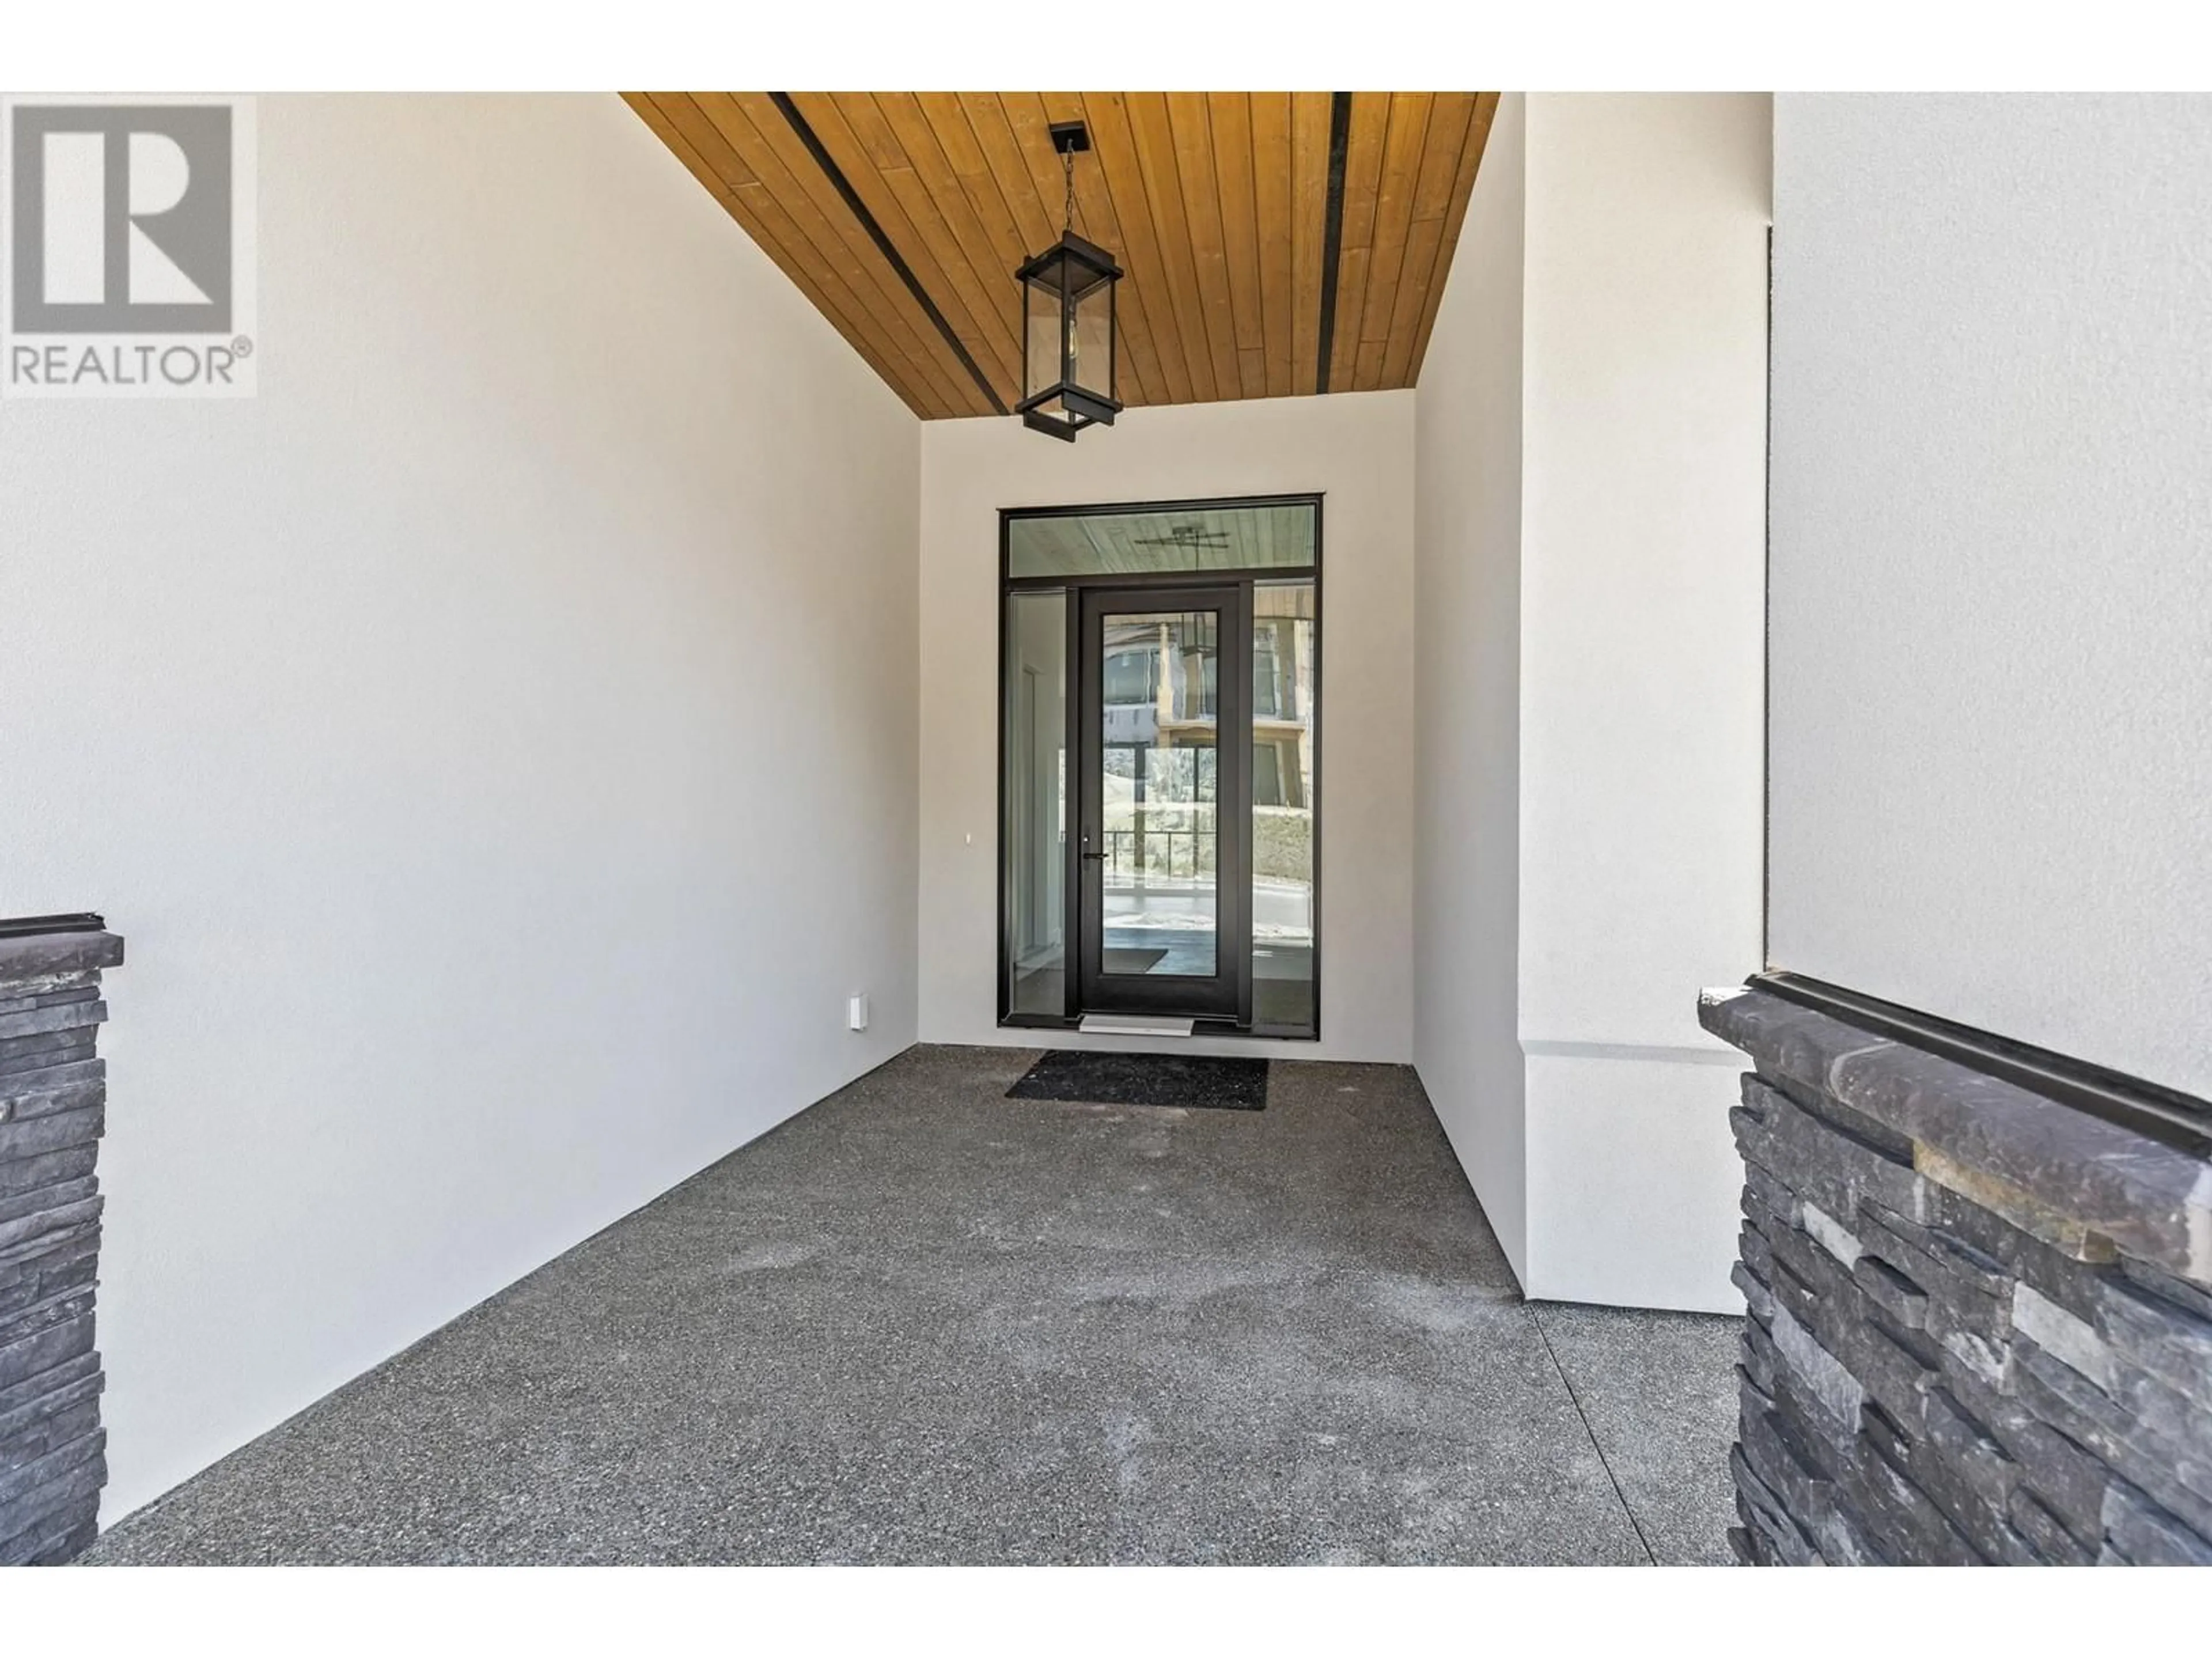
1332,236
1766,636
78,922
836,174
2151,1110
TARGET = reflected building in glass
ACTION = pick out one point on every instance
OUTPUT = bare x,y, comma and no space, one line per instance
1159,785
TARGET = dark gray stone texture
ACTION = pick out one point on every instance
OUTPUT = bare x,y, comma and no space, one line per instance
1980,1320
53,1110
922,1323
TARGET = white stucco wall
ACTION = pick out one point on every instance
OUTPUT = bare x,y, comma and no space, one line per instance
495,742
1992,598
1642,621
1359,451
1467,1042
1635,765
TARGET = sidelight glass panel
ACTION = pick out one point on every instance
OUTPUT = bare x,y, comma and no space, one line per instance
1158,791
1268,536
1284,720
1035,713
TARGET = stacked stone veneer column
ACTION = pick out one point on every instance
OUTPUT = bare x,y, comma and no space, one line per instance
52,1107
1980,1321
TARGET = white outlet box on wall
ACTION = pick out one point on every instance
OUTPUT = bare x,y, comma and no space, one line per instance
856,1013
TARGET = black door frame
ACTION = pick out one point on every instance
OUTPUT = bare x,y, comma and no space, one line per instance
1074,587
1227,994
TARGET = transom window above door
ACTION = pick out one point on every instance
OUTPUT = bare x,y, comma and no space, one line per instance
1139,542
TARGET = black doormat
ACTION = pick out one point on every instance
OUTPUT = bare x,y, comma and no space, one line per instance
1100,1078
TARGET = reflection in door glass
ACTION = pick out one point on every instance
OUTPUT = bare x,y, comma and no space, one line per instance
1157,791
1283,722
1035,715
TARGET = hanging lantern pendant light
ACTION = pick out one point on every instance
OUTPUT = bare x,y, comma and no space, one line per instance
1067,320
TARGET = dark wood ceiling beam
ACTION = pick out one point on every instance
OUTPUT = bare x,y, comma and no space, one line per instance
868,223
753,128
991,249
1006,243
1310,125
977,304
1363,178
1332,236
676,120
1394,215
810,223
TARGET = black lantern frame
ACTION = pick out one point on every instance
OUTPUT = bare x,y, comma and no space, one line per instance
1068,284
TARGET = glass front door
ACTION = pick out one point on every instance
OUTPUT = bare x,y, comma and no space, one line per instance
1160,763
1164,719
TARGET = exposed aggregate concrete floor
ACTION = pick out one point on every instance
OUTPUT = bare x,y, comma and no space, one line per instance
921,1322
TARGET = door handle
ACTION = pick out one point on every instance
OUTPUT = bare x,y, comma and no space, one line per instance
1086,852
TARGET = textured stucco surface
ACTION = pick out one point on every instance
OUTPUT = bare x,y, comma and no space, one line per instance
1357,450
496,739
1991,606
1588,558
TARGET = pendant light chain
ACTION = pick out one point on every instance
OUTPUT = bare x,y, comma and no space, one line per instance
1068,216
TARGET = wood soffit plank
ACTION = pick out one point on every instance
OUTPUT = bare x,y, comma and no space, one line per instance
1275,244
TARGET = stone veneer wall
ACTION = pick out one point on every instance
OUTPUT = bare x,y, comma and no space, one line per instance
1980,1320
52,1107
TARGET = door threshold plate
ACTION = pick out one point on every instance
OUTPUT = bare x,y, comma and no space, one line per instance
1160,1025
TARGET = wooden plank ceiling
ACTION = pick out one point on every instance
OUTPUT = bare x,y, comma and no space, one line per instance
1258,229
